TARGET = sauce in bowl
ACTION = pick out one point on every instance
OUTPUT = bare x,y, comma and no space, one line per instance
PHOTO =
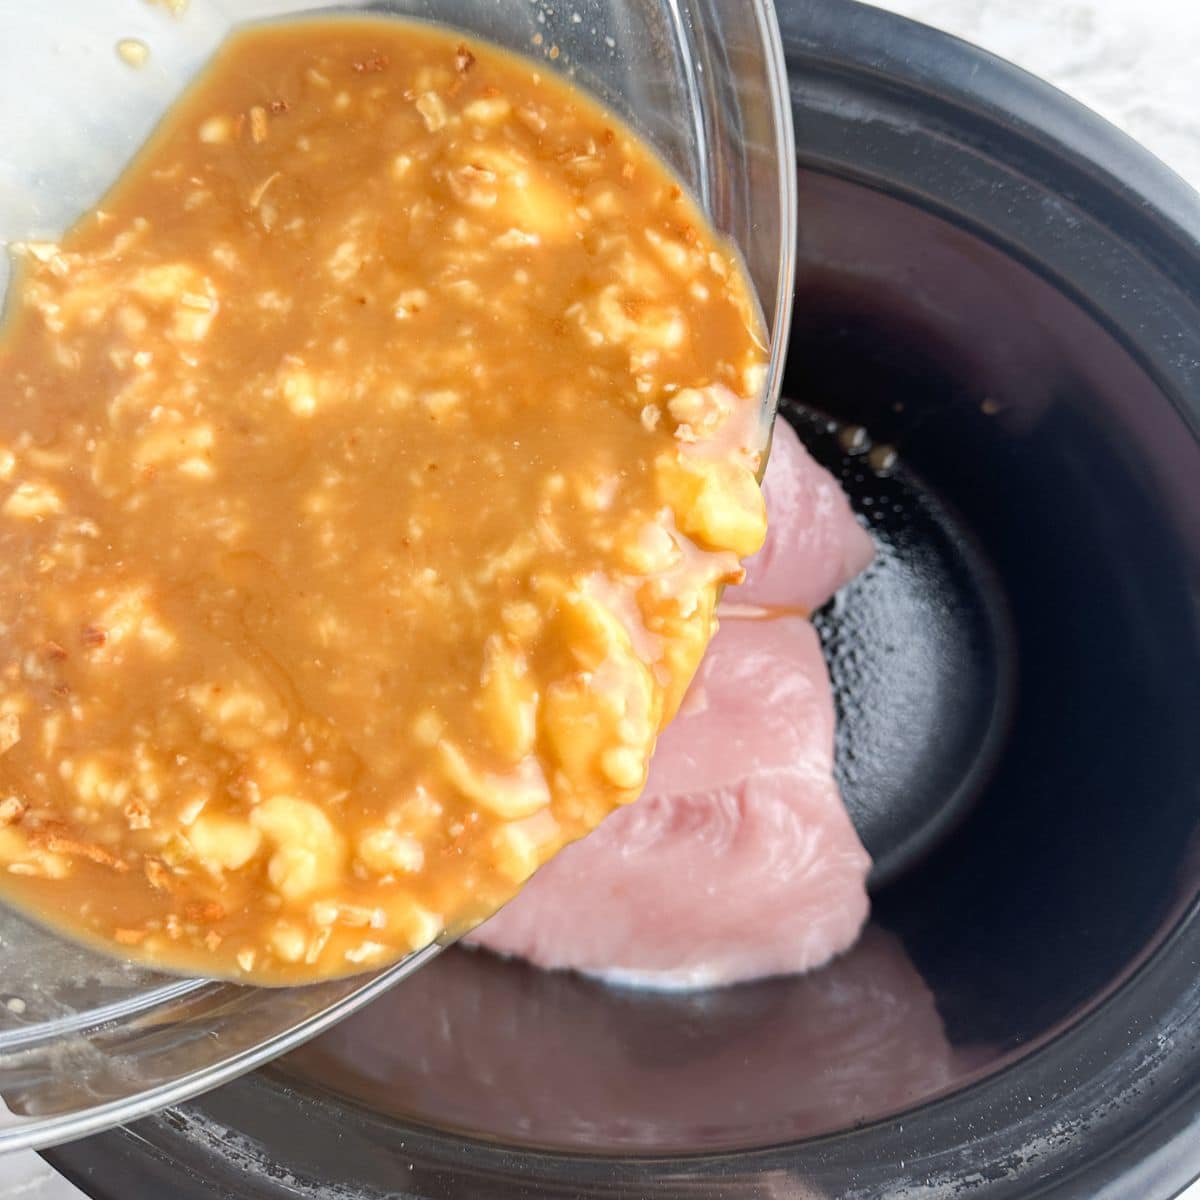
370,463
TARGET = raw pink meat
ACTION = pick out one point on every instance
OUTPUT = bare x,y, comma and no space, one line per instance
814,544
739,859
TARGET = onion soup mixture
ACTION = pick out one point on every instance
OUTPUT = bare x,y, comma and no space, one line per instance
370,464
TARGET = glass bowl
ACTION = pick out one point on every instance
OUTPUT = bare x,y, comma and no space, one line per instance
87,1042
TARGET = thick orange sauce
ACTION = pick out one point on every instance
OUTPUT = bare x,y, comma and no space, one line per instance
370,462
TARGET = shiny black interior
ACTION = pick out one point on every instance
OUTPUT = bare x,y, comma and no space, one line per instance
1018,679
1079,490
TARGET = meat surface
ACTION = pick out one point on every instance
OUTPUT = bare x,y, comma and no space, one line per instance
814,544
739,859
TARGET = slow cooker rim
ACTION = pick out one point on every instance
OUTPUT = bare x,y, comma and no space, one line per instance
1158,1151
1099,172
868,42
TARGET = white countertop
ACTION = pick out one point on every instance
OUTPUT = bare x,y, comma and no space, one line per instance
1133,61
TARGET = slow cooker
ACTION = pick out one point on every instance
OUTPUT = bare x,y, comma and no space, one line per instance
996,345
